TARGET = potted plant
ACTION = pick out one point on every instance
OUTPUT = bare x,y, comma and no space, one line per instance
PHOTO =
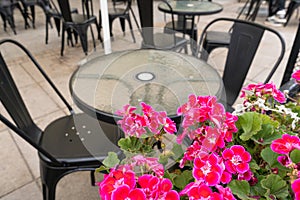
253,153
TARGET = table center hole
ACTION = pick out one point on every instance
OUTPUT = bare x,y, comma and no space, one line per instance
145,76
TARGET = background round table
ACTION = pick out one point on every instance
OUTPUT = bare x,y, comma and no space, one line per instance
193,8
163,79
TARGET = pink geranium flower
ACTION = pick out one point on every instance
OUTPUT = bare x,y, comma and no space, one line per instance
225,193
203,192
208,169
115,179
265,90
296,189
236,159
192,152
296,75
157,188
285,144
150,185
136,125
125,193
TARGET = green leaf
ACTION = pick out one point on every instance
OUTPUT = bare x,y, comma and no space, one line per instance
250,123
275,186
257,190
295,156
266,119
253,165
183,179
102,169
131,144
111,160
269,156
240,189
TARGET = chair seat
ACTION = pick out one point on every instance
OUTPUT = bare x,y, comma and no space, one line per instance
82,19
116,11
78,138
218,37
31,2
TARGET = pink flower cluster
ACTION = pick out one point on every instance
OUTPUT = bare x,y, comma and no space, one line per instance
210,127
285,145
264,91
124,185
206,123
136,125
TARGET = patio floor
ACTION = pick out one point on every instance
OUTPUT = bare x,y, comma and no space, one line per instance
19,170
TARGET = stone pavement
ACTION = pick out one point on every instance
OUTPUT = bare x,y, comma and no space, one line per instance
19,169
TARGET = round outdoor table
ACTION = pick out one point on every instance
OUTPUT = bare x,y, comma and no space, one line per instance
162,79
191,8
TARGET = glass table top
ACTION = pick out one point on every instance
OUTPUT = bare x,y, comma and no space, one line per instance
191,7
163,79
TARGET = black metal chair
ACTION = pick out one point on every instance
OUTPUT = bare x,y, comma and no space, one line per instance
51,11
75,142
293,5
77,24
31,16
244,41
6,11
121,13
216,39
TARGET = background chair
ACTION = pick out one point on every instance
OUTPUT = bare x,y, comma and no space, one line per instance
75,142
244,41
51,11
216,39
77,24
6,11
293,5
31,16
121,13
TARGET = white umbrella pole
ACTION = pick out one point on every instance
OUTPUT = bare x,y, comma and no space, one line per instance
105,25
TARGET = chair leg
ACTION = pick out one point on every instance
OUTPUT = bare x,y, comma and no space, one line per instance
130,26
47,29
93,180
83,38
32,9
62,41
4,21
49,178
57,25
24,15
122,22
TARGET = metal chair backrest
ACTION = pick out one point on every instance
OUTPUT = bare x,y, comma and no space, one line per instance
245,39
13,103
65,10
